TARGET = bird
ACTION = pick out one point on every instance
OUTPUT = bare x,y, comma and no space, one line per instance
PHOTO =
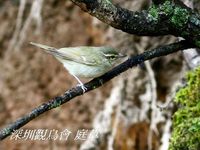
85,61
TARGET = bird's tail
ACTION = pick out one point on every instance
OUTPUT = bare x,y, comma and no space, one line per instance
48,49
51,50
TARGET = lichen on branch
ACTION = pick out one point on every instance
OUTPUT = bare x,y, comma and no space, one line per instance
138,23
167,17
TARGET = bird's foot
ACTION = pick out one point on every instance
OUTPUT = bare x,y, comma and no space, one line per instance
83,87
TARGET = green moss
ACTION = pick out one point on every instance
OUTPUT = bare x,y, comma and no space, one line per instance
163,9
153,12
167,8
186,121
177,15
190,95
180,17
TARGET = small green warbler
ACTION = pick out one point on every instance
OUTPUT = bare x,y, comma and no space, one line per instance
85,61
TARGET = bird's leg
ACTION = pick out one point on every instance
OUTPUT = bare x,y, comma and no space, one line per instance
80,83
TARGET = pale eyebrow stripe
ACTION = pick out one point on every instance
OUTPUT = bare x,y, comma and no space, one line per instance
107,55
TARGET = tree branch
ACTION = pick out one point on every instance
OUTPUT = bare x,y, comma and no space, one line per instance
93,84
139,23
168,17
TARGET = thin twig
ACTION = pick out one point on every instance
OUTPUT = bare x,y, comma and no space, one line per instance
93,84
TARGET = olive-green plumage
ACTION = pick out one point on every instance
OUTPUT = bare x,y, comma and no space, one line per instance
85,61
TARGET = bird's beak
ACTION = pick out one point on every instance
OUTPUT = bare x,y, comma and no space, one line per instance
121,55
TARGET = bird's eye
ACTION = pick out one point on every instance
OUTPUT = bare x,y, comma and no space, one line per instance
112,57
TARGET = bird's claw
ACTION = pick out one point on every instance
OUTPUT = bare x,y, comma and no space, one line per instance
83,87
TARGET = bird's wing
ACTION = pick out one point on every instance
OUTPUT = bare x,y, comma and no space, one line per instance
83,55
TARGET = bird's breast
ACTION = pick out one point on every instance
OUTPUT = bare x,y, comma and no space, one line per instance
86,71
